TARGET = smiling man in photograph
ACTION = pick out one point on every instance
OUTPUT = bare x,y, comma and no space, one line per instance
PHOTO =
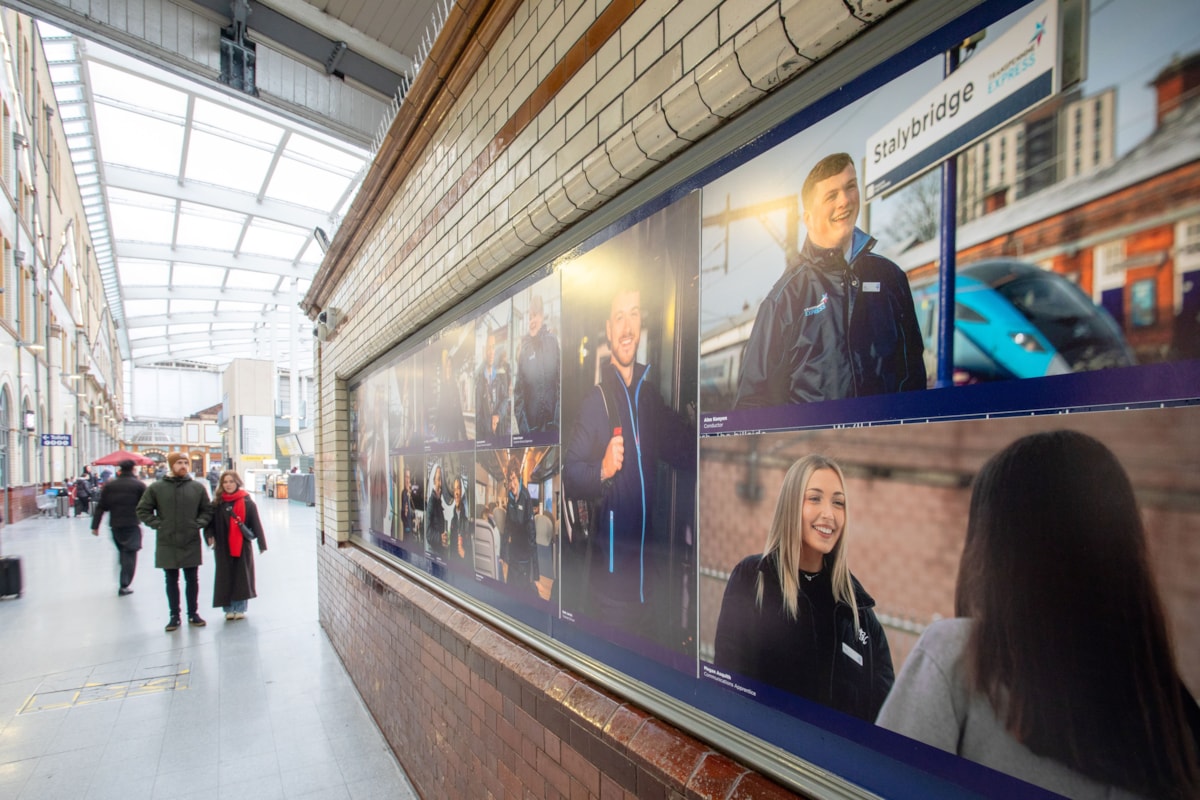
840,321
623,430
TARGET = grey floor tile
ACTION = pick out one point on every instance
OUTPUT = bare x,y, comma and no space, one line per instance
59,784
306,778
121,787
247,768
394,788
186,781
324,793
258,709
263,787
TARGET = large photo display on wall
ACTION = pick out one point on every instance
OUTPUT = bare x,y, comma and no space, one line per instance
882,430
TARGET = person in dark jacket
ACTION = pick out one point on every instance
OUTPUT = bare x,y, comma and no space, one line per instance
83,492
615,471
840,322
518,539
486,417
437,534
535,394
794,617
177,508
235,523
119,497
462,528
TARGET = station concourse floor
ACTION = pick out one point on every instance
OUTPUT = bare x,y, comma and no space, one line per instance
97,701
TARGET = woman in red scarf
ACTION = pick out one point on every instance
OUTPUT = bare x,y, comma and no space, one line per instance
234,524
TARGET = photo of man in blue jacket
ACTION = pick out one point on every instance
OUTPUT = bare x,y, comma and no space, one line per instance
840,322
614,467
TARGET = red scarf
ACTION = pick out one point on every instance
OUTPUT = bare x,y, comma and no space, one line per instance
236,538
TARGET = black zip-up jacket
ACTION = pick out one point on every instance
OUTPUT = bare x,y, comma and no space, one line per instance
831,329
766,645
119,497
536,391
626,549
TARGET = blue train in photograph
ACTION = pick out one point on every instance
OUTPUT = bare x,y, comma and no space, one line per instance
1013,319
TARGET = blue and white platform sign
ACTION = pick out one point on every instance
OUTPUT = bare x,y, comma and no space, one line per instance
56,440
1000,81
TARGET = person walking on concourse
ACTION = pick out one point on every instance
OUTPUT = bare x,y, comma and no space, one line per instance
120,497
235,522
177,507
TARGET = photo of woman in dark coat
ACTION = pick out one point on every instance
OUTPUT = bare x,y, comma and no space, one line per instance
234,523
794,617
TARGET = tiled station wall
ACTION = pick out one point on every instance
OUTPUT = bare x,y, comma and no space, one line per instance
471,713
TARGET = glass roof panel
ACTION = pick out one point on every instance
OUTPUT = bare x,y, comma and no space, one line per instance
245,279
62,73
136,140
312,255
110,83
139,224
69,94
135,272
145,308
147,332
198,275
186,306
204,226
270,239
295,180
224,162
303,148
59,50
235,123
189,327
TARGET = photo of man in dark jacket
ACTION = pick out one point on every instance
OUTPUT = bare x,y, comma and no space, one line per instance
840,322
535,394
614,467
119,497
518,542
177,508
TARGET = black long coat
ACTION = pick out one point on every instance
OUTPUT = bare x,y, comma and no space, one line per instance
234,579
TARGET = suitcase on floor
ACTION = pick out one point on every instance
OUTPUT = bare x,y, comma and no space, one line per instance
10,576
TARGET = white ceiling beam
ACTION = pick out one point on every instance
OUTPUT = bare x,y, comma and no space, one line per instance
136,180
209,257
201,337
335,29
210,318
205,293
201,353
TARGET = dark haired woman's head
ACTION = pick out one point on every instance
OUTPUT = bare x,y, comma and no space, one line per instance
1070,642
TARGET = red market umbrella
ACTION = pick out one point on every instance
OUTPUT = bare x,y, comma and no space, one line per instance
117,456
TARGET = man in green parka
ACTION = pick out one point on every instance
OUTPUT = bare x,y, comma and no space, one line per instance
177,508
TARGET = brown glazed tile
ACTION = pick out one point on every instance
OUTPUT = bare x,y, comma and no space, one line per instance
561,686
753,786
715,778
624,725
590,706
668,751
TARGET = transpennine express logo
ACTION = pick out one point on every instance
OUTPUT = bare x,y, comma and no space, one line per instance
1020,63
1039,30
